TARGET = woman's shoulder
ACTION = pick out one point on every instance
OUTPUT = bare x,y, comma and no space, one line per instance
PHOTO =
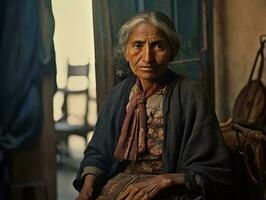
118,95
189,89
189,84
183,82
122,88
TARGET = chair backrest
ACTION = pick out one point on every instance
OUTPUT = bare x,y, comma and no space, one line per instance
78,70
72,72
75,123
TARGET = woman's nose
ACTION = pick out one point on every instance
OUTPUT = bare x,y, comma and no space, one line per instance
147,55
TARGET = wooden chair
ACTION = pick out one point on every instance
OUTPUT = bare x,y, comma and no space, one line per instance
63,126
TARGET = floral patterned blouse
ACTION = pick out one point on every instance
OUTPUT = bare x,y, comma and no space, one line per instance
151,161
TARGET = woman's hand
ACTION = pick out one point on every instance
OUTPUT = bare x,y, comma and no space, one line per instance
86,191
151,186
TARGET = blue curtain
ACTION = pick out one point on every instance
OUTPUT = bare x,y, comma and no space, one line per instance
26,56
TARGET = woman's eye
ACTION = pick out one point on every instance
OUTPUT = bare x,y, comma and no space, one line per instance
137,45
159,46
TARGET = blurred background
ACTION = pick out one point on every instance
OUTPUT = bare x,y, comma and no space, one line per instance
74,45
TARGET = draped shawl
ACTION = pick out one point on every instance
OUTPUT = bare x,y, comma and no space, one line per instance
192,143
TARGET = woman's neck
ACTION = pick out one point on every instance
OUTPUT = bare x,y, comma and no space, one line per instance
147,84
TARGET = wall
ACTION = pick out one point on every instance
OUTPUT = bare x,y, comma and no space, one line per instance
237,27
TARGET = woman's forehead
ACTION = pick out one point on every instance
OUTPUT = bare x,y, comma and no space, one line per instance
146,30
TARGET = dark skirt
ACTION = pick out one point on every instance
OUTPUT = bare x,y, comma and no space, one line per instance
119,183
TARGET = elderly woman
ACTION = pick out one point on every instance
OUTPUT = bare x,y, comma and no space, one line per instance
157,136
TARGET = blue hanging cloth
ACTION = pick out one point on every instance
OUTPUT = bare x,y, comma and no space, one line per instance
26,55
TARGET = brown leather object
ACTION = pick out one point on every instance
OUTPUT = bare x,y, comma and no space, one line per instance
250,105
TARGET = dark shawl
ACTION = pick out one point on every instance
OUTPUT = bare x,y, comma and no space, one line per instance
193,142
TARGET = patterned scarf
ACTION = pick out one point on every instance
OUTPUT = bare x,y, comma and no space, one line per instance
132,140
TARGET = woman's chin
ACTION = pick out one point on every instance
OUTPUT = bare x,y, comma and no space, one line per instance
150,75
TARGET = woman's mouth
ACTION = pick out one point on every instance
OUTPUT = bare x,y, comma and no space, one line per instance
147,67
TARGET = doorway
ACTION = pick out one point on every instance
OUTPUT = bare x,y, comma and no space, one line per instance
74,45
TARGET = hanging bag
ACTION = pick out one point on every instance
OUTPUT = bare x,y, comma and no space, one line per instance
250,105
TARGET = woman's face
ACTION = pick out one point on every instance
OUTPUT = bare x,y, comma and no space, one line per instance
147,52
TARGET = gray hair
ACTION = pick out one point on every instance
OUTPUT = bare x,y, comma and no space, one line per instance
160,20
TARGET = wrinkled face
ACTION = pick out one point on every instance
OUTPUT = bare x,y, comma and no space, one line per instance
147,52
